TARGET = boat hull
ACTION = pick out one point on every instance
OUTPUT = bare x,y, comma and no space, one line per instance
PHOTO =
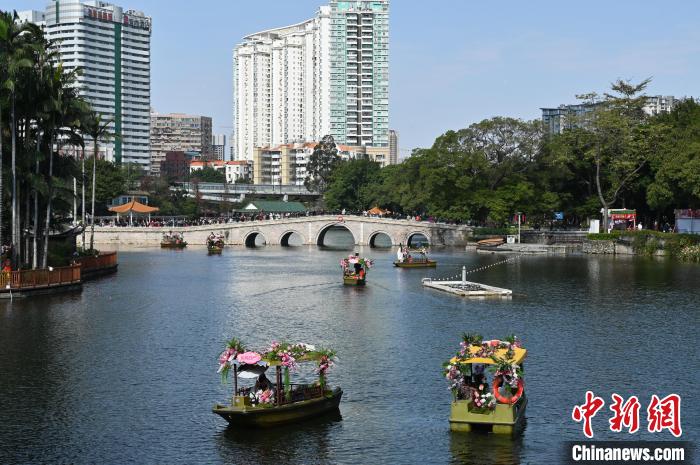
418,264
215,250
167,245
273,416
350,281
504,419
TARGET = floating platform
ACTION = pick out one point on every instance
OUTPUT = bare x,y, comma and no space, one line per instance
467,288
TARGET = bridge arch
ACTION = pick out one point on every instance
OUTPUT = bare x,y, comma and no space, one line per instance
251,239
412,236
284,238
320,237
377,234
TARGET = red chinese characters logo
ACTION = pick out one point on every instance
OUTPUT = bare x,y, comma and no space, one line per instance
626,414
665,414
662,414
587,411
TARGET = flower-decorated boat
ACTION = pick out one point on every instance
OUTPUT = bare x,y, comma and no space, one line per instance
411,258
355,269
500,408
270,403
173,241
215,244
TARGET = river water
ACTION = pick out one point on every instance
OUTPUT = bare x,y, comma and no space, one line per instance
125,372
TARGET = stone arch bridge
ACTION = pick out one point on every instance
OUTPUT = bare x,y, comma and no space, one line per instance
310,229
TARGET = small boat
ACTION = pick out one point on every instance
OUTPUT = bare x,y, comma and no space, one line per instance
413,258
500,409
270,404
490,244
173,241
215,244
416,264
355,270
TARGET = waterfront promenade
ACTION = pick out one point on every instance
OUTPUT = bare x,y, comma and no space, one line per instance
310,229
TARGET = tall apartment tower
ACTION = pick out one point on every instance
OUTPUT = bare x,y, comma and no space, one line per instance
360,72
393,147
281,85
326,75
113,48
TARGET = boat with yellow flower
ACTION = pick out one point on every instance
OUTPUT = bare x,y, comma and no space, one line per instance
270,403
500,408
355,269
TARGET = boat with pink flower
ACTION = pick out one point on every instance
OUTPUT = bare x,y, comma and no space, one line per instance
258,401
355,269
499,408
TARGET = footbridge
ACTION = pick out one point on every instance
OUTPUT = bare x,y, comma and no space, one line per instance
309,230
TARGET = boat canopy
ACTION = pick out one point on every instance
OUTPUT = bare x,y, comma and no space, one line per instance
518,357
251,371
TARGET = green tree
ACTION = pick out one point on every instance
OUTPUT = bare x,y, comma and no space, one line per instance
618,141
97,129
208,174
676,167
321,164
353,185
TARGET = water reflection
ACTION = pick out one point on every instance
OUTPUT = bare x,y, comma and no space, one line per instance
480,447
307,442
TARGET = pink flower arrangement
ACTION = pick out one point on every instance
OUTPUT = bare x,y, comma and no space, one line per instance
266,397
324,364
288,361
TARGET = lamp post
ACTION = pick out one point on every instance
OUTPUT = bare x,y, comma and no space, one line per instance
518,213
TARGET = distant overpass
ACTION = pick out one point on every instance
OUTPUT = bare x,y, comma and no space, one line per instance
220,192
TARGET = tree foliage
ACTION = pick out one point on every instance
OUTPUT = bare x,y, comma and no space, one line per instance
616,155
321,164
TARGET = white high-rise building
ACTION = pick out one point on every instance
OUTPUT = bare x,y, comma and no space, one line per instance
280,93
113,48
326,75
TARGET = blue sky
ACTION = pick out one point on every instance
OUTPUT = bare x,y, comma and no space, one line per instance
452,62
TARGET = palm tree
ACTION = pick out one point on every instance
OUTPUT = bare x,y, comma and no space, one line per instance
97,129
66,110
14,57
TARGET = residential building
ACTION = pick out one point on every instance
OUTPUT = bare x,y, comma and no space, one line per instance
234,170
555,120
563,117
174,166
112,47
661,104
218,146
360,72
393,147
326,75
179,132
286,163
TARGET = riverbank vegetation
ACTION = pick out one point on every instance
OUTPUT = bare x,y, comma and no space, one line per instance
614,155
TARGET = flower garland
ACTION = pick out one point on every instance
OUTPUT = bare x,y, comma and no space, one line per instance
482,398
288,355
366,263
233,348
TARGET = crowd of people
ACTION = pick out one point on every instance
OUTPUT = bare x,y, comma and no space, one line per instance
160,222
